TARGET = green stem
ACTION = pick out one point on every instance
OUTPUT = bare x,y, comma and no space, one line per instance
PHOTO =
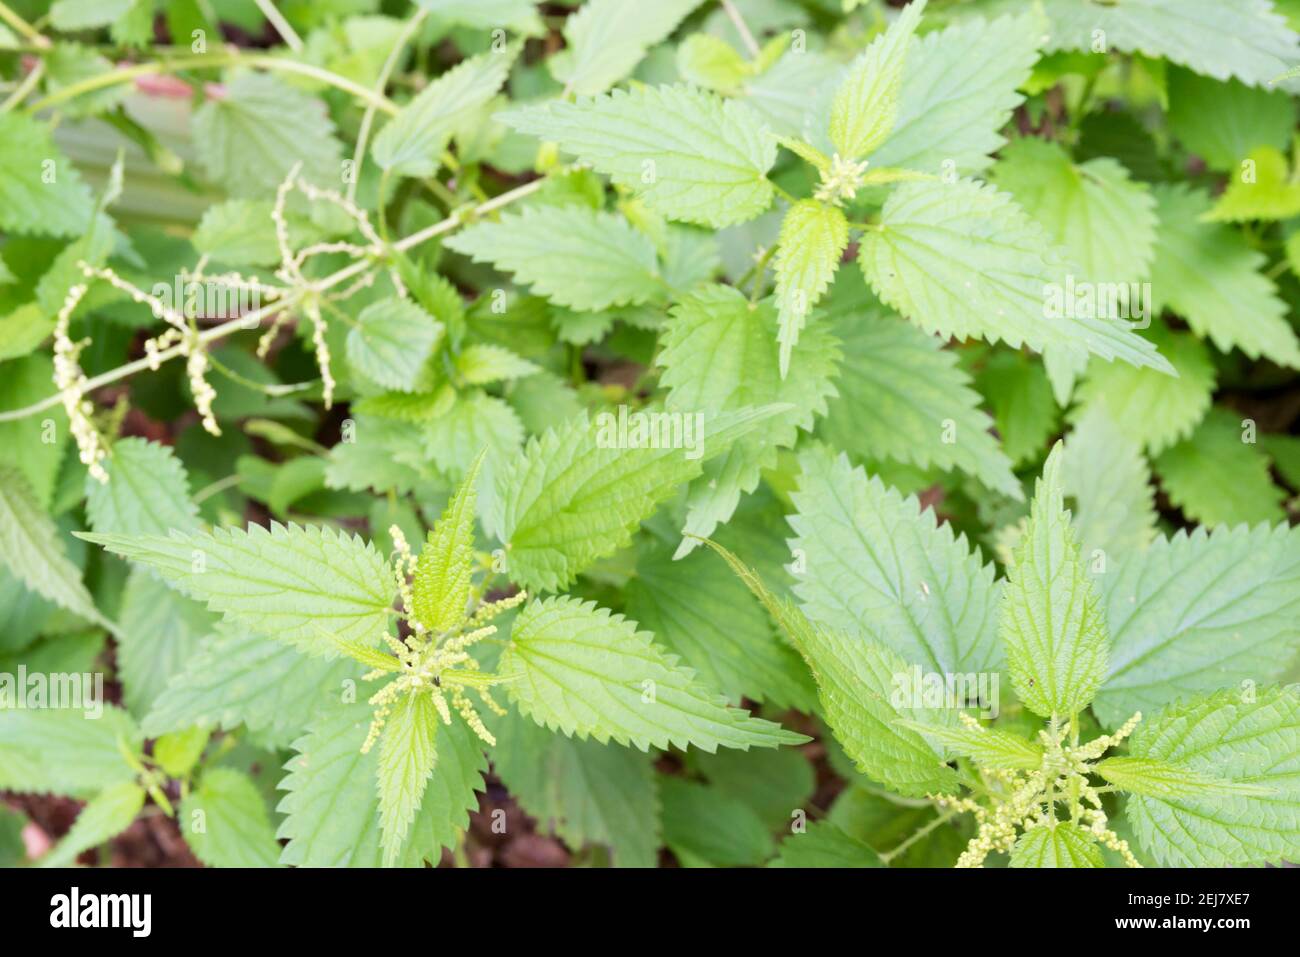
25,87
22,26
919,834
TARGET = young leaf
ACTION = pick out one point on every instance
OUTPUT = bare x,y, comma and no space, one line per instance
1060,845
928,596
989,747
692,156
964,260
284,582
105,816
147,492
30,548
1197,612
225,823
606,39
813,237
407,755
482,364
391,341
410,143
1051,620
866,104
575,495
443,572
574,256
584,671
1248,745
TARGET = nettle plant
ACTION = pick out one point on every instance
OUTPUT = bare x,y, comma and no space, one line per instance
628,413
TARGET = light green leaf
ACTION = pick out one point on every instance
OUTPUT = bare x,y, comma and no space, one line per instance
482,364
927,596
576,494
225,823
583,791
407,755
989,747
255,134
866,104
28,203
410,143
959,90
1208,274
824,844
65,751
697,609
690,155
1249,746
713,63
236,677
1105,473
606,39
1216,476
391,341
161,632
900,390
106,815
1062,845
332,804
1223,122
24,444
442,582
572,255
1199,612
720,353
147,492
1264,188
813,237
31,549
964,260
520,15
178,752
1051,618
579,669
238,232
858,683
284,582
1219,38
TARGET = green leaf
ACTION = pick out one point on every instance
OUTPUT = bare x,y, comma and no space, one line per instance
575,496
1223,122
26,443
106,815
178,752
1105,473
989,747
866,104
332,804
285,581
1051,618
777,783
964,260
147,492
1216,476
477,422
442,583
238,232
1150,408
1061,845
928,596
1248,745
899,393
482,364
1219,38
580,669
583,791
407,755
410,143
1209,275
255,133
824,844
69,15
40,191
713,63
959,90
858,681
225,823
161,632
1199,612
1264,188
519,15
704,827
1020,397
31,549
606,39
697,609
64,751
235,677
572,255
813,237
690,155
720,353
391,342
